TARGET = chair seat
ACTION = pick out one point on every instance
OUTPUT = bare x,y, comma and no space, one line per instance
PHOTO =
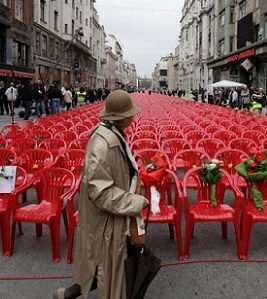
43,212
206,212
166,215
259,216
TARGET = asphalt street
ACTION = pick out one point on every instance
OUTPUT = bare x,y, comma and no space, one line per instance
213,270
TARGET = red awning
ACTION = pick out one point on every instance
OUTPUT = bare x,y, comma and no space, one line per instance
24,75
5,73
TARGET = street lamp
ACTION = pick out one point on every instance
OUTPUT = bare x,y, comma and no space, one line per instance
78,32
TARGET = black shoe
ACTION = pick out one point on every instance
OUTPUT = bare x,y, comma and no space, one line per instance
67,293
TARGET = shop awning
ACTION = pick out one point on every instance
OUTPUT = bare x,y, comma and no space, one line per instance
24,75
5,73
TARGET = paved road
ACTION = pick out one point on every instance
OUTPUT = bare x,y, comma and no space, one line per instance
213,270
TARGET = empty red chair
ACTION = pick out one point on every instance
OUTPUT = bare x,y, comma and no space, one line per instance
8,201
3,142
8,128
150,128
54,145
251,216
238,130
51,190
79,143
169,127
194,136
144,143
25,124
67,136
165,135
35,129
191,128
200,209
210,145
225,136
67,124
16,134
20,145
56,128
40,136
7,157
79,129
169,208
256,136
213,128
246,145
144,134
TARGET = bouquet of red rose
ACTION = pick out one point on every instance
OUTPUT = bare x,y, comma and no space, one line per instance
210,173
152,170
254,170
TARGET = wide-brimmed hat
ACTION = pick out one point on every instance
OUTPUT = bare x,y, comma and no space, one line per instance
118,106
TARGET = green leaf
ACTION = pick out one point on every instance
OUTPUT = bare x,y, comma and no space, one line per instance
257,198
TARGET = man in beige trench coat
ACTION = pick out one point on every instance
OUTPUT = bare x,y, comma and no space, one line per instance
109,195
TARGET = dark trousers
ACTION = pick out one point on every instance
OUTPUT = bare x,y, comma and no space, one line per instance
27,106
4,105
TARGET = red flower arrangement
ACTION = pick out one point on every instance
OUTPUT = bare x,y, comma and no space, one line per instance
254,170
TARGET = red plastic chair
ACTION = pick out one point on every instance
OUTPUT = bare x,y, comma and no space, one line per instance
170,205
238,130
169,127
20,145
200,209
54,145
67,124
40,136
258,137
225,136
67,136
213,128
73,160
251,216
16,134
7,202
56,128
79,129
144,134
246,145
8,128
79,143
150,128
35,129
194,136
191,128
144,143
172,146
50,186
165,135
7,157
210,145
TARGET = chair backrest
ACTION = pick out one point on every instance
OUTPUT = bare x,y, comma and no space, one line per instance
35,159
144,143
7,157
225,136
67,136
194,136
79,143
174,145
73,160
53,184
210,145
8,128
79,129
16,134
3,142
144,134
254,135
247,145
230,158
191,158
165,135
20,145
53,144
56,128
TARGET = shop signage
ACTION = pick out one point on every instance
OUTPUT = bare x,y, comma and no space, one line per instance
241,55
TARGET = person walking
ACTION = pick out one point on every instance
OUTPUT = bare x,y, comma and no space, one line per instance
27,99
109,195
39,97
12,95
68,98
55,96
233,97
245,98
3,99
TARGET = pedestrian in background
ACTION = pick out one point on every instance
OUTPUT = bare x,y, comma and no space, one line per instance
55,96
109,195
245,98
27,99
68,98
3,99
12,95
39,98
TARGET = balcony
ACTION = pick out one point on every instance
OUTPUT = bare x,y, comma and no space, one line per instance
5,16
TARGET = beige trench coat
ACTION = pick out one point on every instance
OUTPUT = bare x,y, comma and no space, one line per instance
103,208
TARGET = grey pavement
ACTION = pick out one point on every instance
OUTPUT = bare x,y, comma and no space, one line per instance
213,270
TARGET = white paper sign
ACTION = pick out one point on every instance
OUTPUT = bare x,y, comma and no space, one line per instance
7,178
155,198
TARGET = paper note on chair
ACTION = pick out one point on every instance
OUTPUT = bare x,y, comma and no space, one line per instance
155,198
7,178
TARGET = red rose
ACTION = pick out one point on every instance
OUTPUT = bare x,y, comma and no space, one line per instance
253,165
260,157
149,170
250,171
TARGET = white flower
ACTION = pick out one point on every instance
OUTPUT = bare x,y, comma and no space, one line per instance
212,166
215,161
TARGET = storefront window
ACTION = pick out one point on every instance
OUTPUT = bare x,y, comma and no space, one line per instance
243,9
19,54
19,10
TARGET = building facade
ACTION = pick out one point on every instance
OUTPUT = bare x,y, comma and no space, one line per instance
16,49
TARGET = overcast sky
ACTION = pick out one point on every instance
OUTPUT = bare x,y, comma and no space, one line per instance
146,29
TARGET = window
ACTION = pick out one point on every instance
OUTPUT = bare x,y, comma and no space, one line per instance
77,13
265,26
231,44
44,45
66,2
86,22
257,3
81,19
232,14
19,54
243,9
221,47
2,49
66,28
57,50
42,10
19,10
73,3
222,18
55,20
72,27
256,33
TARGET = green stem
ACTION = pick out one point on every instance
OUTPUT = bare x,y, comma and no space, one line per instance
213,195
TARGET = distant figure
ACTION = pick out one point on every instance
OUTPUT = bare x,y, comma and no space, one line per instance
12,95
39,97
3,99
68,98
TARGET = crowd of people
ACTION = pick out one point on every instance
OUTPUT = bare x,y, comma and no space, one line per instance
36,98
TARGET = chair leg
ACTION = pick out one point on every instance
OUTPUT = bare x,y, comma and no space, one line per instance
39,230
24,196
70,245
5,232
179,240
224,229
188,236
13,234
247,228
66,222
55,238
